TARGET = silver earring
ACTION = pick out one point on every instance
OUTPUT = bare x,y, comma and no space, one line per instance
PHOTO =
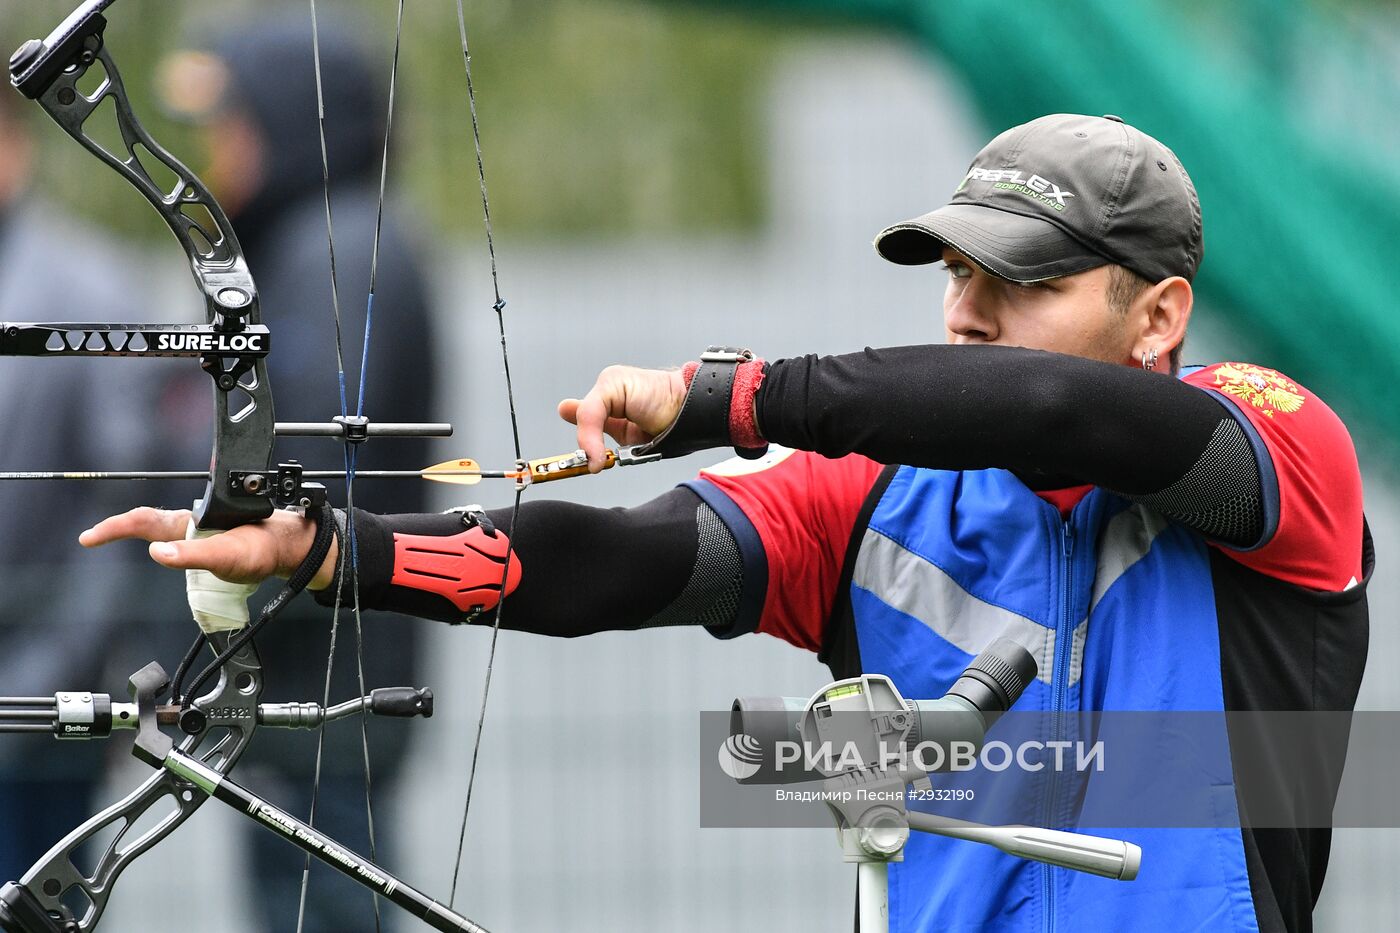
1149,360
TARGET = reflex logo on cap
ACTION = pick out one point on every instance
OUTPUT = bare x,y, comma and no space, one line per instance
1036,186
1057,196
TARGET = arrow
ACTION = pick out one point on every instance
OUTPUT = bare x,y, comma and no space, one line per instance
461,472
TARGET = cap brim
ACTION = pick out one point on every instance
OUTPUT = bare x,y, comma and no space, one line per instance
1011,246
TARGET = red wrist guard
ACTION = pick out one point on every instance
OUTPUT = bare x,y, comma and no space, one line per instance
743,427
466,569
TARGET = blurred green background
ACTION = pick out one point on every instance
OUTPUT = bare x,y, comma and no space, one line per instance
607,117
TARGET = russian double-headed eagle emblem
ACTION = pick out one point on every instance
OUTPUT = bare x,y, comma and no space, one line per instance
1265,389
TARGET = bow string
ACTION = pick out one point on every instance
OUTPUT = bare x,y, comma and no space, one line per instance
350,561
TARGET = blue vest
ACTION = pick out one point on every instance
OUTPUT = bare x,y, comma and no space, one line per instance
1117,606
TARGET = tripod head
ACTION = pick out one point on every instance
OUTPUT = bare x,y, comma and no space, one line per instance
866,744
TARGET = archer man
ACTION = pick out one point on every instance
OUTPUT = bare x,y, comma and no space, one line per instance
1158,537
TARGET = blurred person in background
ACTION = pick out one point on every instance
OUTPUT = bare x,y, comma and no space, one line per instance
60,618
1158,538
257,120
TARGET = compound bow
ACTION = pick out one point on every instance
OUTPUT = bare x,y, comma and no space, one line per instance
244,486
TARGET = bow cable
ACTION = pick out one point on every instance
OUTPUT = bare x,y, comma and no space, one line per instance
499,307
349,552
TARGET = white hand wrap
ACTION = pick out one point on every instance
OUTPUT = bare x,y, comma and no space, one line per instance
218,606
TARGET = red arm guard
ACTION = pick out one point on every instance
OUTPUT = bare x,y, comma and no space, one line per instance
466,569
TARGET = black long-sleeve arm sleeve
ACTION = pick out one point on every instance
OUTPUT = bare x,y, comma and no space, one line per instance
1055,420
1071,420
669,561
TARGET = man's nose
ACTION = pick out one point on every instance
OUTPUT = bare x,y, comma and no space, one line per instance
970,315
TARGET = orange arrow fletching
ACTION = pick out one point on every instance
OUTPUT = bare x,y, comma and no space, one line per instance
459,472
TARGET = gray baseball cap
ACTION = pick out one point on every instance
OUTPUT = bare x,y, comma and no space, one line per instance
1060,195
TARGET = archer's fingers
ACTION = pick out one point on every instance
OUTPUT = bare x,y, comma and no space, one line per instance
144,524
626,433
619,429
591,416
246,554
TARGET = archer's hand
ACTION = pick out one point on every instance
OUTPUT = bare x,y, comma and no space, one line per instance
631,405
274,547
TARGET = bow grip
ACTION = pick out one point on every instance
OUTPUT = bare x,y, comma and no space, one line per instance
217,605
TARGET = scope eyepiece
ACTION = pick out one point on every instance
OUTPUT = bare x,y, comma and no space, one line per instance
864,710
997,677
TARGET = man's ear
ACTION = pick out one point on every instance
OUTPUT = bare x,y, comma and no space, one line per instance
1161,313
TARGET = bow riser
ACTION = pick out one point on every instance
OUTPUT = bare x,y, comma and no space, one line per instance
49,72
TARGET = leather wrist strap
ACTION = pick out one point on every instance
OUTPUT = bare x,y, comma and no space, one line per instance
703,421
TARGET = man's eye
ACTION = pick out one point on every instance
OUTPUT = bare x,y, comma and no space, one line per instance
957,270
